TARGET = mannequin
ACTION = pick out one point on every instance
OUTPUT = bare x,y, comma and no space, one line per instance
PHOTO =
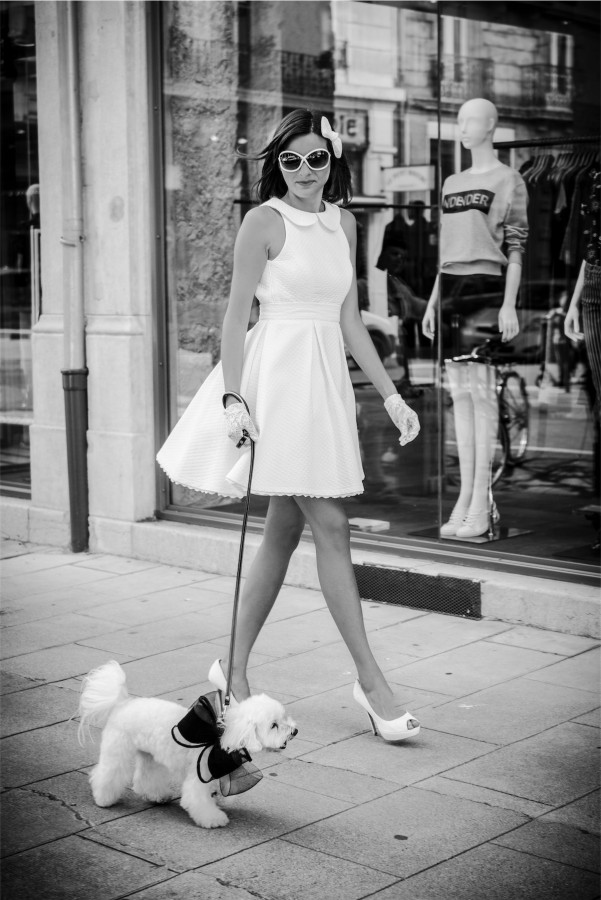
483,212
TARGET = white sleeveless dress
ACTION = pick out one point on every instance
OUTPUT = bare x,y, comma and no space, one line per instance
295,380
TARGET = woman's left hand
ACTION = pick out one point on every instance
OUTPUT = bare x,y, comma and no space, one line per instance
404,418
508,322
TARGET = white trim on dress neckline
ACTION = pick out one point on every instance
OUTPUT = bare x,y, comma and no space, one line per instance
330,217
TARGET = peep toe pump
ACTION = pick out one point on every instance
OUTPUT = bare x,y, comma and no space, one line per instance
389,729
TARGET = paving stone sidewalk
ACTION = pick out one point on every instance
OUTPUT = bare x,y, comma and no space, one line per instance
498,797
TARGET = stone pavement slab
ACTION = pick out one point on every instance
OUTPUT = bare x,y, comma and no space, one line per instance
508,712
347,786
76,869
502,779
158,674
134,584
167,836
31,709
582,671
431,753
306,674
43,606
491,872
408,831
583,813
116,565
555,840
478,665
442,784
554,767
28,584
194,886
157,606
282,871
29,819
593,718
58,663
35,755
428,635
71,792
175,632
53,632
11,682
547,641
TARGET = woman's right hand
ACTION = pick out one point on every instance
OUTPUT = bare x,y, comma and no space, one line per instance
429,322
571,324
238,421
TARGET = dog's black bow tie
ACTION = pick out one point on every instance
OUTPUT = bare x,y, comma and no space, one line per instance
201,727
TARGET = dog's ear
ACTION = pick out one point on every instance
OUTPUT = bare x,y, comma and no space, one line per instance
240,730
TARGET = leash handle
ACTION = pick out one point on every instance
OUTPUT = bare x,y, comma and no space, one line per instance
230,666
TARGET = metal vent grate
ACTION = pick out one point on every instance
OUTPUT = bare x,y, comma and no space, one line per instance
439,593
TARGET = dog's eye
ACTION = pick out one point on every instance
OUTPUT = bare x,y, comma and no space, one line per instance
275,725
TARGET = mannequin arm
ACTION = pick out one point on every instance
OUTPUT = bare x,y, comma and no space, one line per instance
429,319
572,325
508,319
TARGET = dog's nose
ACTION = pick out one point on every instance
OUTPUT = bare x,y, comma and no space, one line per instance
294,733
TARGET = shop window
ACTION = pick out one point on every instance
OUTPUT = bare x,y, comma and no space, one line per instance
375,69
19,241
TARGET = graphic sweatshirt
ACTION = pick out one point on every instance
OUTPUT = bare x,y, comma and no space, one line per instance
483,217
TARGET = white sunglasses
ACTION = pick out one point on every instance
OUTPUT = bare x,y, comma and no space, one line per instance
316,160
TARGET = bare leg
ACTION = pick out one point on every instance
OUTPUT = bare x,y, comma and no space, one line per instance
331,533
283,528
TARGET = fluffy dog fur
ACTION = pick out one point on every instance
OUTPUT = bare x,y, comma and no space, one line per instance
137,748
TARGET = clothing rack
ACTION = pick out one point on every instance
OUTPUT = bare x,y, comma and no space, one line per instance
547,142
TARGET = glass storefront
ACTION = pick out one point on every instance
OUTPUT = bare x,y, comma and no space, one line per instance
19,241
392,77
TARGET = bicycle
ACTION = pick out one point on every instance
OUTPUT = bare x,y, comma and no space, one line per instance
514,409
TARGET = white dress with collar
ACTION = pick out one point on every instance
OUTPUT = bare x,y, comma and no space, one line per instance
295,380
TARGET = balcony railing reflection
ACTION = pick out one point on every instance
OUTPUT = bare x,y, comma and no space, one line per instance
463,77
303,73
548,87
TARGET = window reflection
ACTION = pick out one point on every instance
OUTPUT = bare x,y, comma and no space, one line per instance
20,240
232,71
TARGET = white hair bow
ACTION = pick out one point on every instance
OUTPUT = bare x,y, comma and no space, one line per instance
333,136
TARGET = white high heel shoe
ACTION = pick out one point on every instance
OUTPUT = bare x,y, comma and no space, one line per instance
219,680
389,729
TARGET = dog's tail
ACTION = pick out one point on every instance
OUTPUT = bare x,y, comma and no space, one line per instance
102,690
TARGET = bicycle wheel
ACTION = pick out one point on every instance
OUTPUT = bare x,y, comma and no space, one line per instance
514,412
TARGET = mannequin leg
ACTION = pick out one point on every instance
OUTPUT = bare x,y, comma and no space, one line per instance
463,413
486,422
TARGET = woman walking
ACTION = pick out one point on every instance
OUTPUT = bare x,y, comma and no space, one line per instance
295,253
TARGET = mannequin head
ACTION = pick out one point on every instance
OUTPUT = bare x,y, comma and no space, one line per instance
477,120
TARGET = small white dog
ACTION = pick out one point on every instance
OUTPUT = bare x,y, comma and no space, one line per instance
137,748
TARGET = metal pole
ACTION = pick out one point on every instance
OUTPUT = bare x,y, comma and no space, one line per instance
75,372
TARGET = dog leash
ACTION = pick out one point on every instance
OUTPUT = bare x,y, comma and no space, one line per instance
230,666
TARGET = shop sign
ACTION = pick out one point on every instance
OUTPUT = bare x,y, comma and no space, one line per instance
408,178
352,127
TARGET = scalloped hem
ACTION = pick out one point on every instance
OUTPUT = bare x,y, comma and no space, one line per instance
241,496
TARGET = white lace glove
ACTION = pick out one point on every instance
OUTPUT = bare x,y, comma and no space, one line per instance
237,421
403,417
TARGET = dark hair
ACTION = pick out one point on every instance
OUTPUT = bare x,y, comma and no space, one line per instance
299,122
